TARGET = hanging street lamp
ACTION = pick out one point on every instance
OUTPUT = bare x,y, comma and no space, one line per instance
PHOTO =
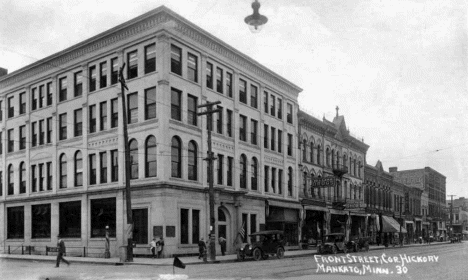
256,20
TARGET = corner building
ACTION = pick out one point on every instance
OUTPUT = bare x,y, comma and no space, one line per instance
62,165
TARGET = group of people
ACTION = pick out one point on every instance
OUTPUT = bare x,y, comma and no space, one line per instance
157,246
204,246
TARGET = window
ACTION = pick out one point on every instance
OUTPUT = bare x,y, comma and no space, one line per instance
103,213
219,80
1,143
103,115
209,75
10,180
265,101
22,177
150,157
22,103
92,78
33,178
229,171
103,74
220,169
318,154
140,226
49,175
1,183
150,58
266,177
63,171
280,141
132,100
114,165
242,91
280,108
133,147
219,120
41,132
254,172
289,116
40,221
150,103
22,136
49,94
176,105
15,219
11,140
70,219
1,111
78,122
280,181
176,158
103,167
289,144
114,71
63,126
273,179
272,105
189,228
229,123
253,96
132,62
92,169
192,68
243,171
11,108
229,84
242,128
290,176
192,161
176,60
92,119
33,99
49,130
41,96
192,103
41,177
265,136
114,113
273,135
78,87
78,169
253,133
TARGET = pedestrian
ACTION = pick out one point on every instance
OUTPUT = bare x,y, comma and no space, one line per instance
160,246
222,243
153,247
201,249
60,251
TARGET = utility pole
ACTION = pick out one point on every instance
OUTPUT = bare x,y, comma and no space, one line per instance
128,170
451,213
209,112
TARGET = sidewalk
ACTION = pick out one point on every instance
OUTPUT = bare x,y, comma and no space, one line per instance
186,260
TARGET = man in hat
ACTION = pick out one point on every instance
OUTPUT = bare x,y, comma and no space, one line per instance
60,251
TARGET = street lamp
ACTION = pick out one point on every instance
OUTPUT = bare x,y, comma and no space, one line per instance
256,20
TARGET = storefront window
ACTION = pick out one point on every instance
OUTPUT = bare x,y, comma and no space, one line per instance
70,219
40,221
103,214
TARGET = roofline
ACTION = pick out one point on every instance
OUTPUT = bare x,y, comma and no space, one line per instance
159,10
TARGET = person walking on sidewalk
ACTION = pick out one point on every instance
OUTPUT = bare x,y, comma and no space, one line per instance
60,251
222,243
160,246
201,249
153,247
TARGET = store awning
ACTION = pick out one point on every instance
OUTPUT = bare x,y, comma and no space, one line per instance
465,232
359,214
339,212
390,225
409,222
285,204
417,219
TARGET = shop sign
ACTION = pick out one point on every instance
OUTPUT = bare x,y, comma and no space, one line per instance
324,182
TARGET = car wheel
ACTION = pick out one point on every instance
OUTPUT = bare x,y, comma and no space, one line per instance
280,253
265,256
257,254
240,256
334,250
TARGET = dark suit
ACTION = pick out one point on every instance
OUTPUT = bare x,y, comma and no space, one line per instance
61,250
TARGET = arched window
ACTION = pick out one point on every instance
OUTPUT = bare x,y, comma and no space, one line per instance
254,178
243,171
312,152
304,183
328,157
359,169
11,176
176,157
304,150
221,215
133,147
290,183
192,161
354,167
318,155
345,160
22,178
338,159
63,171
333,158
78,169
150,157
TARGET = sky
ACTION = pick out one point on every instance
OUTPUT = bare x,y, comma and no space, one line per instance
396,69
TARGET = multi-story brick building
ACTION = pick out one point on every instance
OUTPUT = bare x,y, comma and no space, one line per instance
62,169
332,173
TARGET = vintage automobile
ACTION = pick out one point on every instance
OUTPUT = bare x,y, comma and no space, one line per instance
333,243
263,244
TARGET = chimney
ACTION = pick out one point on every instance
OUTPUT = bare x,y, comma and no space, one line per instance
3,71
393,169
